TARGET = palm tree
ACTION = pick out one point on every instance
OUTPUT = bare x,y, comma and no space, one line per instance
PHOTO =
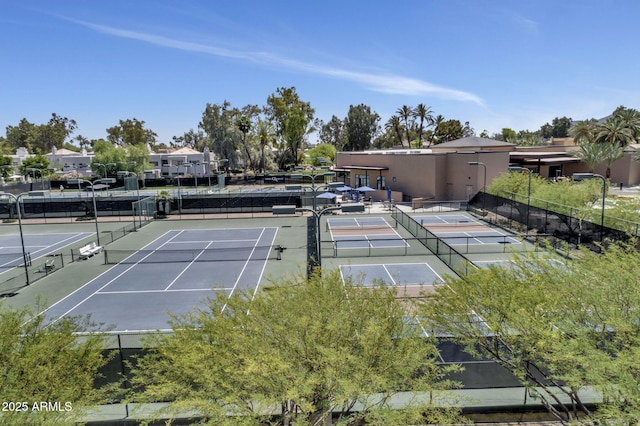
591,154
406,113
611,153
614,131
266,134
583,131
424,113
631,118
244,125
437,122
393,124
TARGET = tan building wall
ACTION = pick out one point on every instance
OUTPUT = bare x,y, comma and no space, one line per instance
437,176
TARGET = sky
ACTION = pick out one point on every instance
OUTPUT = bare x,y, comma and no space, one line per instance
492,63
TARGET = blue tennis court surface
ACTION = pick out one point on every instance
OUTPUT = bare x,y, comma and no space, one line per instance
392,274
35,245
175,273
363,232
449,228
444,219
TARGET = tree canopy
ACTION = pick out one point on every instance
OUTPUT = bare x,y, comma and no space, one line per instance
292,118
130,132
309,347
48,362
361,127
562,327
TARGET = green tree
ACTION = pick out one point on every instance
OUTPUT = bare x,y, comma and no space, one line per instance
333,133
292,118
559,128
631,119
434,136
310,347
266,136
40,138
559,326
194,139
131,132
218,123
611,153
509,135
614,131
6,168
24,134
39,162
449,130
394,126
424,114
54,133
361,126
243,123
49,362
590,153
322,151
583,131
133,158
405,113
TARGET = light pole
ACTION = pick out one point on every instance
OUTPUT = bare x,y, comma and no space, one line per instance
318,215
190,166
24,253
484,184
128,173
584,176
524,169
35,169
313,177
104,166
93,194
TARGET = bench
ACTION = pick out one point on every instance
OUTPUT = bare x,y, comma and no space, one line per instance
48,266
89,250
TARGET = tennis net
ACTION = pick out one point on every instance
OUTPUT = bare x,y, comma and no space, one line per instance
112,257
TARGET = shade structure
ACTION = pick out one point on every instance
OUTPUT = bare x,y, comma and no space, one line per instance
364,189
327,195
344,188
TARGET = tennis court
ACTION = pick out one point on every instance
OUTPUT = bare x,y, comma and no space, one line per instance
391,274
174,273
363,233
35,247
462,230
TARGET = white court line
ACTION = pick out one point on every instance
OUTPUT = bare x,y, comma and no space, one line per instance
244,267
47,249
389,273
217,241
188,266
163,291
108,283
264,265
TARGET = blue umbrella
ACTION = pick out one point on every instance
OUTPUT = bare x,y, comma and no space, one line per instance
364,189
344,188
327,195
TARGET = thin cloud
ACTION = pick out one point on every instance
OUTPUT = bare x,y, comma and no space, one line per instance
529,25
384,83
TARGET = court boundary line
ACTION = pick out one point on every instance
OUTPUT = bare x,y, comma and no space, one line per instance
187,267
113,279
177,233
438,280
366,237
59,244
